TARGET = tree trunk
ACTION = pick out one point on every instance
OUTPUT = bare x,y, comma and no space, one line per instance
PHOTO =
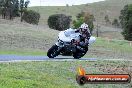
21,16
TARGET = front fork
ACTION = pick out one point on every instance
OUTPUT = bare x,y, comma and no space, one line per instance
59,47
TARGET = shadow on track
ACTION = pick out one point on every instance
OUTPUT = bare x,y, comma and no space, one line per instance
71,58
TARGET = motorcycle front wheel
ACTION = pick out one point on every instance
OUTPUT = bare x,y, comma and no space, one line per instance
52,52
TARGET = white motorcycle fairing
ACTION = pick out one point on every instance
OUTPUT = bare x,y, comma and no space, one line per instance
69,34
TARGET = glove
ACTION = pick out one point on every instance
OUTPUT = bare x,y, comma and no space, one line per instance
74,42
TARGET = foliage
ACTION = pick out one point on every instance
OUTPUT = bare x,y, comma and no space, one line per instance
107,20
23,7
115,23
126,22
31,17
16,8
81,14
9,8
84,17
78,22
88,19
59,21
12,8
67,5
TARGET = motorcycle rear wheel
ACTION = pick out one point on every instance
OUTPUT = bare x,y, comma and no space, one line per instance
80,54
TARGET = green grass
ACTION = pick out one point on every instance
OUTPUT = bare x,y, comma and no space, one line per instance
115,45
23,52
53,74
110,49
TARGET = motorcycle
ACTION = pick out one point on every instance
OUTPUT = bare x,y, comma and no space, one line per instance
67,46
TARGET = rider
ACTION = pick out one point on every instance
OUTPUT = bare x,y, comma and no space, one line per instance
85,35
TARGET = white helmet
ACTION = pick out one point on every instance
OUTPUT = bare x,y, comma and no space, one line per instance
84,26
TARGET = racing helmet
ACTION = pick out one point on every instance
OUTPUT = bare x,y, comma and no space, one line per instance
84,27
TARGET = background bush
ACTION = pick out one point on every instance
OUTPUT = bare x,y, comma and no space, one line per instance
126,22
59,22
31,17
115,23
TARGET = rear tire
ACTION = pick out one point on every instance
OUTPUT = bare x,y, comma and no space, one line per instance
80,54
76,56
52,52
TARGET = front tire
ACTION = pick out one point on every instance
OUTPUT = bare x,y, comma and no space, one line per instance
52,52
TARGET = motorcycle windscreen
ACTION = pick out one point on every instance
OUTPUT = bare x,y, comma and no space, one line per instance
63,37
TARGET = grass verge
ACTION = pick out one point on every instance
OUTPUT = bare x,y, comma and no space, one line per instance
23,52
56,74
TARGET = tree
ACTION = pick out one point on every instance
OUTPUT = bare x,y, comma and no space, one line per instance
67,5
2,9
23,7
88,19
31,17
59,22
79,15
16,8
9,8
107,20
126,21
5,8
1,6
115,23
78,22
84,17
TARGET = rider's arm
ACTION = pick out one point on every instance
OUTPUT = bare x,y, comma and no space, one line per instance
76,30
88,35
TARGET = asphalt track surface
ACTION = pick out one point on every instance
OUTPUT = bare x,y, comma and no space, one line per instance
17,58
4,58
